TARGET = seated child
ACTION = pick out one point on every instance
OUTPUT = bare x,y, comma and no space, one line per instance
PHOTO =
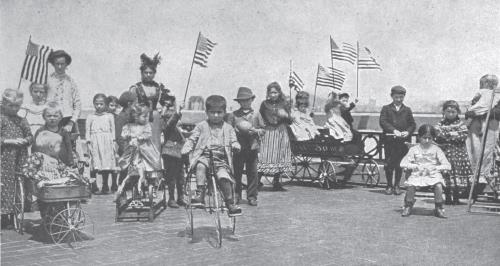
44,166
219,137
338,127
346,108
426,161
303,126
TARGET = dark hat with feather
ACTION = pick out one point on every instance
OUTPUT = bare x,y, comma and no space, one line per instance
148,62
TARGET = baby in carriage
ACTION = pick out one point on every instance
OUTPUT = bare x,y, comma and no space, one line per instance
44,166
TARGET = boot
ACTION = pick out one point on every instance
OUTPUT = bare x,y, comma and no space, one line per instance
407,209
439,211
180,196
232,209
93,188
456,196
114,185
105,186
277,186
199,195
397,190
388,190
447,196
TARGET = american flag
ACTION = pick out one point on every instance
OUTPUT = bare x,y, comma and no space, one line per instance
36,65
347,53
330,77
368,62
295,82
204,48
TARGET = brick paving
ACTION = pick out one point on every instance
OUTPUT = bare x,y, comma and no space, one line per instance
302,226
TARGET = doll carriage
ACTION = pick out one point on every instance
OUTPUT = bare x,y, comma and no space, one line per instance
132,204
61,211
317,160
214,203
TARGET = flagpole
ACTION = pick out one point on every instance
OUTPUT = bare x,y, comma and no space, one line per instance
315,86
21,75
357,70
331,57
191,71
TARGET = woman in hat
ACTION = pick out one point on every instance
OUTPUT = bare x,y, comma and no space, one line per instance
15,137
62,89
275,154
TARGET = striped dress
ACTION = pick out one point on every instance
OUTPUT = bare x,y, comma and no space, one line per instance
275,156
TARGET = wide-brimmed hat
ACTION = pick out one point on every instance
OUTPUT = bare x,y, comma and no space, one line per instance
59,53
244,93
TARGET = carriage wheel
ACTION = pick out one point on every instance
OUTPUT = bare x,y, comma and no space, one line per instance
216,208
303,168
19,205
71,226
371,173
326,174
189,209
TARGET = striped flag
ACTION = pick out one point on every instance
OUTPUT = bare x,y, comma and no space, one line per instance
368,62
36,64
295,82
346,53
330,77
204,48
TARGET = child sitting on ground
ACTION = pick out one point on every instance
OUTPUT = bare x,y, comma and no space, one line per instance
426,161
219,137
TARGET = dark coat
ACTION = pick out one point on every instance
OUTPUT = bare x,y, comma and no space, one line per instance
402,120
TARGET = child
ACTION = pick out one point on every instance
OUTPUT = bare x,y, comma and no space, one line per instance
487,89
171,150
244,120
112,109
303,126
275,153
52,114
126,101
338,127
425,160
140,156
33,111
346,108
220,138
100,135
452,133
396,119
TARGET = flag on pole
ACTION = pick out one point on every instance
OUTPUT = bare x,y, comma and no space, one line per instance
295,82
346,53
368,61
36,64
204,48
325,78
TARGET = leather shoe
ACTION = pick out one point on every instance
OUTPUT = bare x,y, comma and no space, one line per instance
252,202
406,211
233,210
388,191
172,204
278,187
439,212
397,190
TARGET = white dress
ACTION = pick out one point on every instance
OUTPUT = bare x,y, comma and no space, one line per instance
426,166
33,113
100,130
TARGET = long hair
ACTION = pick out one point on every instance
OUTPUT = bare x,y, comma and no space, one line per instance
276,85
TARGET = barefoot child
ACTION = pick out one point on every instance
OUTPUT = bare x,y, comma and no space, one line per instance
219,137
426,161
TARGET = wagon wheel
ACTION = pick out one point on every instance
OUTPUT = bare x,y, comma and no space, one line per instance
326,174
371,173
189,209
72,226
19,205
303,167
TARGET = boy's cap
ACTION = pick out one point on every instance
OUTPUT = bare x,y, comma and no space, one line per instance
244,93
398,90
59,53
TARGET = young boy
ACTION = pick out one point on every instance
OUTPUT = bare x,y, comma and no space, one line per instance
216,136
396,119
346,108
244,121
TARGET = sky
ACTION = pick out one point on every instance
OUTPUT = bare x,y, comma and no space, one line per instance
438,50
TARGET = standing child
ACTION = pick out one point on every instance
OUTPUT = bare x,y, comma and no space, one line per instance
244,120
452,133
396,119
100,135
112,107
216,136
426,161
171,150
126,101
275,157
140,156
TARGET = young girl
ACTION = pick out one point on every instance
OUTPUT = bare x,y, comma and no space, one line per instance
275,154
452,133
140,156
112,109
303,126
100,135
32,111
426,161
